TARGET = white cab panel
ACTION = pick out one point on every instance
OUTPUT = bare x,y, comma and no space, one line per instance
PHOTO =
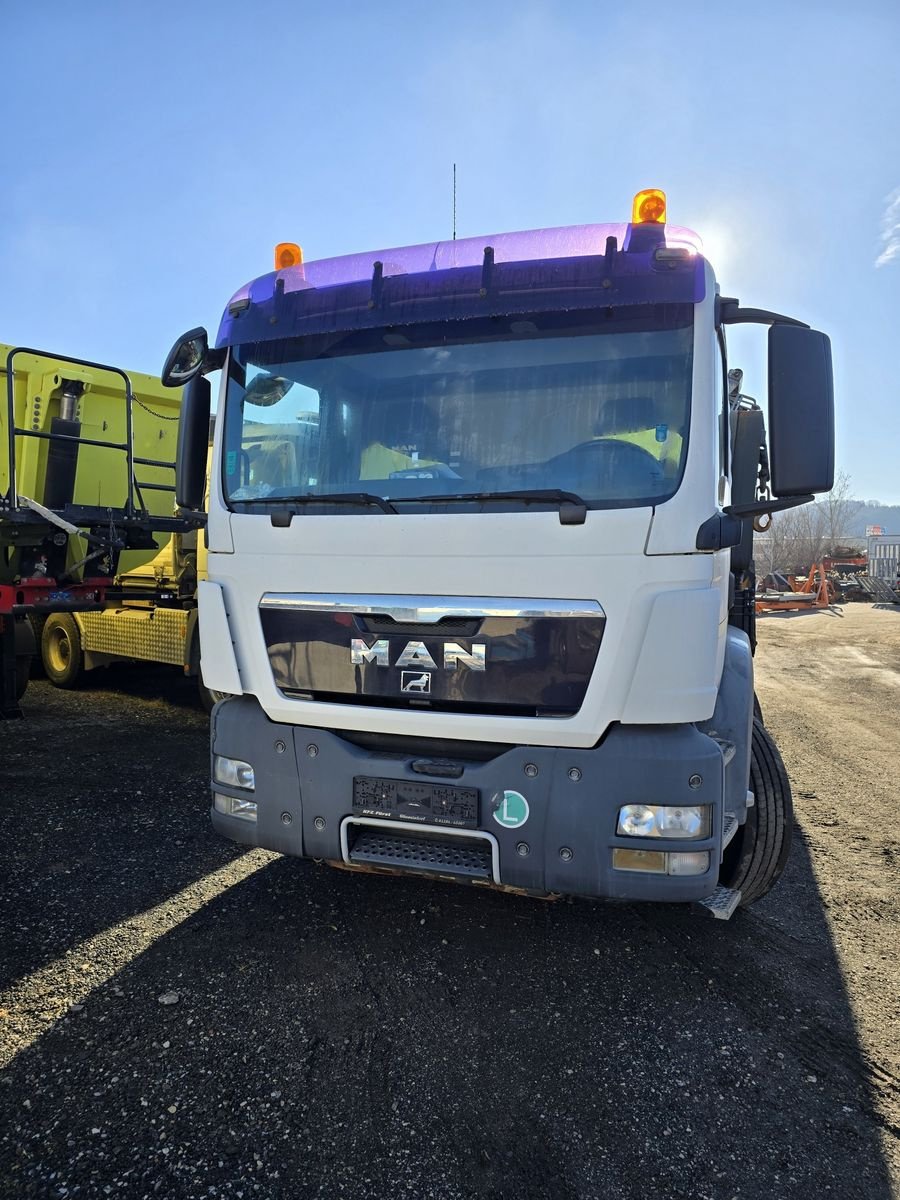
497,554
677,665
675,523
218,663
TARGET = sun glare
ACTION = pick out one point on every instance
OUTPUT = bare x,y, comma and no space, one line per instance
716,249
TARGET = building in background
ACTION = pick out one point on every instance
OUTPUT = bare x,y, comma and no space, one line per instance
884,556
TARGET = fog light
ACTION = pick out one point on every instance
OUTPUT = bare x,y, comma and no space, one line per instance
679,862
693,862
233,772
235,806
640,860
664,821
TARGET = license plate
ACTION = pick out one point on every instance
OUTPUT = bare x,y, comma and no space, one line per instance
430,803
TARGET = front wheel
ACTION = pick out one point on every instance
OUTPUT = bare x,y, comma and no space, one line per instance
758,853
209,697
61,650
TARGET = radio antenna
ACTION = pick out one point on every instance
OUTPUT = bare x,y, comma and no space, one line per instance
454,202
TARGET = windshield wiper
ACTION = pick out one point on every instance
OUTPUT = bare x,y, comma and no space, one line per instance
572,508
282,517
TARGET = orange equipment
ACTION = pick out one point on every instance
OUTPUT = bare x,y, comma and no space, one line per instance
816,591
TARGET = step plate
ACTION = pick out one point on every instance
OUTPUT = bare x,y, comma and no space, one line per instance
729,828
721,903
470,859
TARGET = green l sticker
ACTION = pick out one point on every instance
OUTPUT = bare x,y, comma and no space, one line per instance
510,809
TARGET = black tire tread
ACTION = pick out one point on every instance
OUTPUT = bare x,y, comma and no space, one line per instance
766,836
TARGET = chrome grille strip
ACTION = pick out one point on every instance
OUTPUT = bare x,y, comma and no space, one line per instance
426,610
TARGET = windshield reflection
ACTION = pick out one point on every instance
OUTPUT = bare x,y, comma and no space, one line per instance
603,415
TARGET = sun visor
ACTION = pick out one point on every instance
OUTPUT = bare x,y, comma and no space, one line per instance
541,270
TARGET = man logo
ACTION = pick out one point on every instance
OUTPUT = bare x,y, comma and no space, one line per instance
417,654
413,681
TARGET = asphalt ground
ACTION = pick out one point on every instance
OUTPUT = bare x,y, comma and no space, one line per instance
181,1019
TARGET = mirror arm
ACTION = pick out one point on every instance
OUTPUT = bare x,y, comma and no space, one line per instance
758,508
729,312
196,518
214,360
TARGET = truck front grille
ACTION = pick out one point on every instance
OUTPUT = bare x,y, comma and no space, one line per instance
464,858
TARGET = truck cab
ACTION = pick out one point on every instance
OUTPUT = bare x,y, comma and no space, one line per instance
479,572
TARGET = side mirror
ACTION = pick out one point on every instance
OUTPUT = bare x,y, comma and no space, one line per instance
193,445
801,411
186,358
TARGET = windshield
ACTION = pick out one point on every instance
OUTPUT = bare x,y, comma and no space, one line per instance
595,407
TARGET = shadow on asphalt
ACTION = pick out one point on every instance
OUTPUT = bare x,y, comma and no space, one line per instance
349,1035
142,681
105,799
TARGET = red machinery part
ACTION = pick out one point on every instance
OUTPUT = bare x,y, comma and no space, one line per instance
46,595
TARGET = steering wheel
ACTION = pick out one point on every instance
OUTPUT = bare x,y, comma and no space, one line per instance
633,461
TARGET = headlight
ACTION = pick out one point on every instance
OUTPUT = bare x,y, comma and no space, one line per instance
664,821
235,806
233,772
637,820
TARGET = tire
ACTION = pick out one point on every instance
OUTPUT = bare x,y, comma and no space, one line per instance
208,697
757,710
23,674
758,853
61,650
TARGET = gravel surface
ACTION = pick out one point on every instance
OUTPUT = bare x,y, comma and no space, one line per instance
182,1019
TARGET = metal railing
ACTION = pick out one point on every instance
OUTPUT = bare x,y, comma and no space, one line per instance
127,447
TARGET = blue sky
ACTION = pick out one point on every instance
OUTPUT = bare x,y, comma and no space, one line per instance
156,153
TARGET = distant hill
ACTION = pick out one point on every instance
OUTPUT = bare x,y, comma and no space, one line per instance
872,513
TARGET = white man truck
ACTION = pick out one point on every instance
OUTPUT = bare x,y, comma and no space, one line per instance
480,588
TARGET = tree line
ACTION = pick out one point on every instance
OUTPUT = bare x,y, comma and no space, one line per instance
799,537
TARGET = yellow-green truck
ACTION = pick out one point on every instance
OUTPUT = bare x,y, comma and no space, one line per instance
87,456
149,616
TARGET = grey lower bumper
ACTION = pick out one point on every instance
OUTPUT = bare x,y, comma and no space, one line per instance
304,789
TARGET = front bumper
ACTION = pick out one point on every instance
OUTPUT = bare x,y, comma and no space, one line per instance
304,788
